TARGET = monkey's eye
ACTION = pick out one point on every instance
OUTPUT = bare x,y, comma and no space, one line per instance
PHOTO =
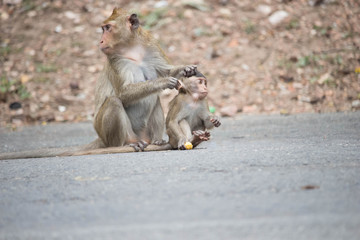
202,81
106,27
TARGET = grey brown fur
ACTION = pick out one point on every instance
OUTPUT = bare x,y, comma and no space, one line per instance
188,120
127,105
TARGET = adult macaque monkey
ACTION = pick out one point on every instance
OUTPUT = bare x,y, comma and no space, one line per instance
189,116
127,105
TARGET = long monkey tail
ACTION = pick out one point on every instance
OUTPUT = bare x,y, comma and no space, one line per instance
88,149
123,149
51,152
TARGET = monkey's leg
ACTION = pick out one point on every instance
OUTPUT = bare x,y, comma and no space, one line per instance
113,125
195,137
177,138
172,138
185,128
186,132
156,125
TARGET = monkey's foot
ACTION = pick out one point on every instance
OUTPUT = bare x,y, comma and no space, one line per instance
159,142
181,143
139,146
201,135
182,147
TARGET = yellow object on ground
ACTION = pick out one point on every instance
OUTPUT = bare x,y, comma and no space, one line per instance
188,145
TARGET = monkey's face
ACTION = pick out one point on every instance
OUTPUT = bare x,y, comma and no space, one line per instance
202,87
107,38
117,31
198,87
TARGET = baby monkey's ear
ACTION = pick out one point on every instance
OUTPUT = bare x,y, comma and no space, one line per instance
181,87
134,21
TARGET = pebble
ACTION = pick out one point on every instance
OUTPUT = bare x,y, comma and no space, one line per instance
188,13
325,77
356,104
277,17
196,4
17,112
12,2
17,122
45,98
161,4
225,12
4,15
245,67
24,78
298,85
59,118
72,16
229,110
250,109
58,29
79,29
264,9
30,51
61,108
32,14
14,73
89,53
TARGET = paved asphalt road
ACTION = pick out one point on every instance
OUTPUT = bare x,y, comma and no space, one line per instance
260,177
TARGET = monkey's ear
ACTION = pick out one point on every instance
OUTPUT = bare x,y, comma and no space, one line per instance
134,21
181,88
115,10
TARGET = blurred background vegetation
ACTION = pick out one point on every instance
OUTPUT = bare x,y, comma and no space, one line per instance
260,56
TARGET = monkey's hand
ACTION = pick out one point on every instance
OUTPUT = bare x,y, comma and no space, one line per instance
171,83
189,71
216,121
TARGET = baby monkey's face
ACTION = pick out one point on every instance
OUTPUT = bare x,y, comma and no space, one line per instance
197,86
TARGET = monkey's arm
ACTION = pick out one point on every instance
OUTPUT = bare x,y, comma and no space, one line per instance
209,120
133,92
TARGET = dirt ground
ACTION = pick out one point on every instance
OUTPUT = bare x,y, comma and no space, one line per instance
260,56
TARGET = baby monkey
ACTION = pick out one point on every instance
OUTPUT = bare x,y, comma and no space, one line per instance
189,118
